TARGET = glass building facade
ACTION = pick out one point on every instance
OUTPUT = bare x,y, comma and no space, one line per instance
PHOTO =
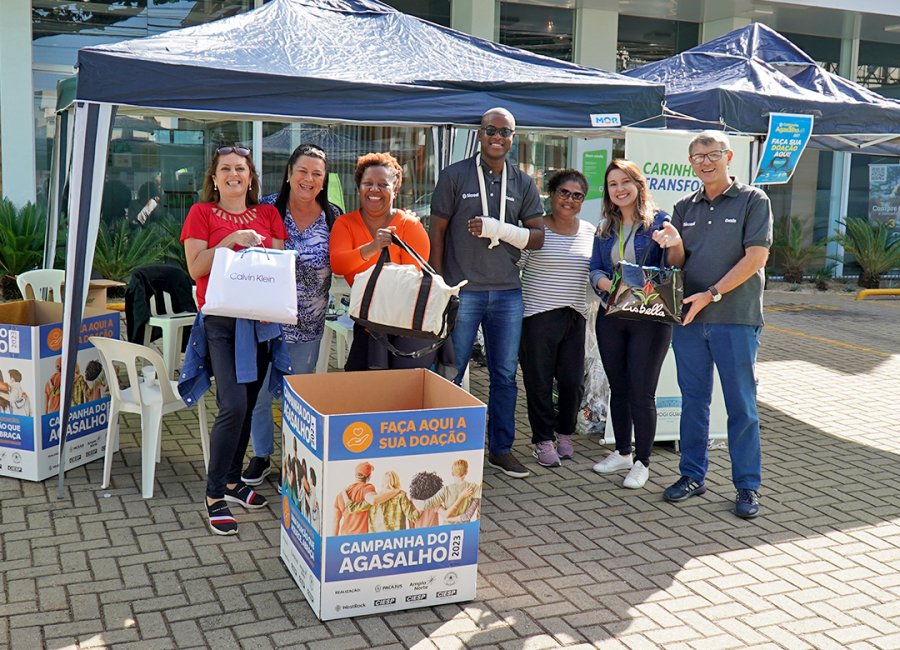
173,151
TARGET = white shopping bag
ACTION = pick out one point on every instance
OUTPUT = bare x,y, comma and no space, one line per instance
253,283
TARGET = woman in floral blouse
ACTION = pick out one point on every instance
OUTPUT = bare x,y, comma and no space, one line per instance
308,216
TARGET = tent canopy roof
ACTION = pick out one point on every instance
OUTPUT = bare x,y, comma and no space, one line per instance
735,81
353,61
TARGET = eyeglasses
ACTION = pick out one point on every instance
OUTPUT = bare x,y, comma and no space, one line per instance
490,130
578,197
713,156
383,187
241,151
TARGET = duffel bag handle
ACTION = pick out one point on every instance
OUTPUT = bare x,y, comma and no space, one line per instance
426,267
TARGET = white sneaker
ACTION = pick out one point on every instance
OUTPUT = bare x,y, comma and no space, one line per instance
613,463
637,476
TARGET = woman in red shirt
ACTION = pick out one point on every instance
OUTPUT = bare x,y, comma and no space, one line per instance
229,216
356,242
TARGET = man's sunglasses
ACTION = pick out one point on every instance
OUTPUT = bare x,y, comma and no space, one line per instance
490,130
241,151
578,197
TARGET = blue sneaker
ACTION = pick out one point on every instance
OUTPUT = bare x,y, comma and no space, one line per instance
683,489
746,504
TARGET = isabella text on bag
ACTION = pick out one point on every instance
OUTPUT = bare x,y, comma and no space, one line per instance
646,292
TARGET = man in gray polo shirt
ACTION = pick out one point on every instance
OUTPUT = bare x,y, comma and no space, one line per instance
477,237
720,236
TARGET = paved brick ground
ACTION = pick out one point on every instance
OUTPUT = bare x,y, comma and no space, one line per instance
568,559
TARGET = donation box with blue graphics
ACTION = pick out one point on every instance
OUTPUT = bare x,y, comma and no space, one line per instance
381,490
30,375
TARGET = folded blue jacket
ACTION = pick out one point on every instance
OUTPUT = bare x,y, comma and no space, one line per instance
196,373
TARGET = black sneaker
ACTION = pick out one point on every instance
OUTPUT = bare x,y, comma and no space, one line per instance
245,496
508,464
684,488
257,469
746,504
220,520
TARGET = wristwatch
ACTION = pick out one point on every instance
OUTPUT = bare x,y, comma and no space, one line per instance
716,296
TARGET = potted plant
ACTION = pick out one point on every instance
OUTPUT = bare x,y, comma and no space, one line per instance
789,254
21,243
874,246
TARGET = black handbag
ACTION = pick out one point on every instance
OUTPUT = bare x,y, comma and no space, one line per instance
647,293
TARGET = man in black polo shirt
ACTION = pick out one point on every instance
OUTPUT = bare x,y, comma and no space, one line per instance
720,236
477,237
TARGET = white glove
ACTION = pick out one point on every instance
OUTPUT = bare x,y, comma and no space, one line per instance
495,231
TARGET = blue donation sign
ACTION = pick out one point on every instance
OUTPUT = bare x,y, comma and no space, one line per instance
787,138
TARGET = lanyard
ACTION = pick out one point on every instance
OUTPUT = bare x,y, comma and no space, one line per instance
481,188
622,244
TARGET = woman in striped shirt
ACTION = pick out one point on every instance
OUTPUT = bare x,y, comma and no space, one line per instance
554,284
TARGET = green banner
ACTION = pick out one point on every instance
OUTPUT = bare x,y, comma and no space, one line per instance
593,166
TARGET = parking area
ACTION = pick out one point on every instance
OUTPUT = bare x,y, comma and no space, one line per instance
568,558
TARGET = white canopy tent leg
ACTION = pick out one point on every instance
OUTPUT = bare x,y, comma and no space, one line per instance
91,133
59,172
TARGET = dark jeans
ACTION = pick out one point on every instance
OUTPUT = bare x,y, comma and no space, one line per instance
368,354
632,352
231,430
553,347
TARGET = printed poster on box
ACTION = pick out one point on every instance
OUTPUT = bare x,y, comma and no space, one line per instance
30,362
381,508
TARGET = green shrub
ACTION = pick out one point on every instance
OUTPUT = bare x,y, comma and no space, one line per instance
789,254
21,237
123,248
21,243
874,246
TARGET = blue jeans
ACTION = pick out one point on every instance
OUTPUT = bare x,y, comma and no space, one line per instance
262,428
732,348
500,315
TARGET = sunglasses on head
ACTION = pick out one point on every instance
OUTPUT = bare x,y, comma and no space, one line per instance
241,151
578,197
490,130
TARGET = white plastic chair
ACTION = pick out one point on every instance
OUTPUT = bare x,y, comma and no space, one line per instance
172,326
152,402
340,332
35,282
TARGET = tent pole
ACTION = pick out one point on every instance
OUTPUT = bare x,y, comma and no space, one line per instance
93,126
837,208
55,192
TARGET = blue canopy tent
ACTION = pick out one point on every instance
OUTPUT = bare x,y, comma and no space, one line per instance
735,81
329,61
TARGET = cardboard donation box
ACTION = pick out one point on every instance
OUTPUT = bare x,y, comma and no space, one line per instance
381,490
30,364
97,292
